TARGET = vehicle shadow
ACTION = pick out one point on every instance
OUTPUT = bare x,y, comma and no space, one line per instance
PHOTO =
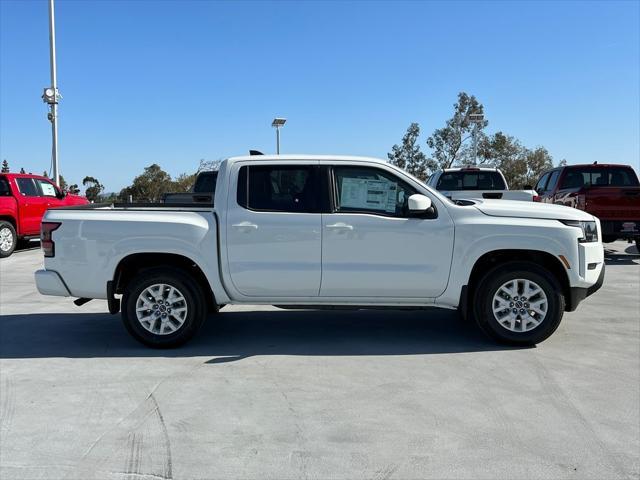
614,257
234,335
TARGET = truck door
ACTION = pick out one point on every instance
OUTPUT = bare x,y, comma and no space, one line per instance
273,230
30,204
371,247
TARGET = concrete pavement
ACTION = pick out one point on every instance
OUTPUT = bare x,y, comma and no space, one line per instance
264,393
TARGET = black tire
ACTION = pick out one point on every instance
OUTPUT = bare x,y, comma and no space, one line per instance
498,276
193,300
638,245
8,239
609,238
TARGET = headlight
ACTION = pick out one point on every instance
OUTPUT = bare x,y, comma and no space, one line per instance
589,230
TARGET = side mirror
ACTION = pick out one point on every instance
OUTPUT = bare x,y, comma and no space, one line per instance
419,203
61,194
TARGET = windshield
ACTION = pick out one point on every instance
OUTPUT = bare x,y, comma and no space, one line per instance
471,180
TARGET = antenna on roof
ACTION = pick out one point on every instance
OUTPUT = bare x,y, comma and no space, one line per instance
595,163
255,152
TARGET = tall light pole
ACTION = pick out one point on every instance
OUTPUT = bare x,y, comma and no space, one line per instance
277,123
51,95
476,119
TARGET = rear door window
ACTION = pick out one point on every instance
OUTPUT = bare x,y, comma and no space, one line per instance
5,189
27,187
279,188
471,180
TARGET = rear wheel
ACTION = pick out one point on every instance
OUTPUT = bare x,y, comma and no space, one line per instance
8,239
609,238
163,308
519,303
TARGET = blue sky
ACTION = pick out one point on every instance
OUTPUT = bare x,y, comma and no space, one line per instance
171,82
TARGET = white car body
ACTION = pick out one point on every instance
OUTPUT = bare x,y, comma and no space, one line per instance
320,259
497,194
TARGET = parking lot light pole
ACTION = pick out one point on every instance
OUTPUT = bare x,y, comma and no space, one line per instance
476,119
51,96
277,123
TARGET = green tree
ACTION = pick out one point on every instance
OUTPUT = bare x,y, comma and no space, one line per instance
73,189
5,166
62,183
408,155
183,182
94,188
149,186
446,143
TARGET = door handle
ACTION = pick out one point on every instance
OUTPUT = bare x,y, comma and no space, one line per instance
340,226
245,225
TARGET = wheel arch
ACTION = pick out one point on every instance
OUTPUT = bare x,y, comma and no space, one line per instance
135,263
495,258
11,220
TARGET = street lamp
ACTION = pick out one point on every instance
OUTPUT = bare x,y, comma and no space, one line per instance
477,119
277,123
51,95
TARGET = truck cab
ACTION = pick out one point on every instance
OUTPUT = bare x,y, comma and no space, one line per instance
24,199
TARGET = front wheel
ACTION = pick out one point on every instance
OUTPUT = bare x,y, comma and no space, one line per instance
163,308
519,303
8,239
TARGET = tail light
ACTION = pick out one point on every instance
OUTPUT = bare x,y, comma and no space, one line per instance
537,198
48,246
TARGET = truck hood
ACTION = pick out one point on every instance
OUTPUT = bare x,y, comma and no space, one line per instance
511,208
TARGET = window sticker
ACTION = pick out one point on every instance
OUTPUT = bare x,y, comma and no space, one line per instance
367,194
48,190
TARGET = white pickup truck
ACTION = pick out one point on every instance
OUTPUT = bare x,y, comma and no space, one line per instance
324,231
477,182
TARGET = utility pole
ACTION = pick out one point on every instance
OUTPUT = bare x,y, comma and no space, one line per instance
51,95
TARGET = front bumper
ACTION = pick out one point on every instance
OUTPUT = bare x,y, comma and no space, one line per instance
577,294
50,282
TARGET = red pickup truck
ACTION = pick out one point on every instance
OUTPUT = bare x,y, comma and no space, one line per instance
24,199
609,192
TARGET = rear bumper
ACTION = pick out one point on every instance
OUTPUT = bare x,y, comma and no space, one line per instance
577,294
50,282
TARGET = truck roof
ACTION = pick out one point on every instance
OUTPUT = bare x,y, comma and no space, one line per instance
294,157
471,169
23,175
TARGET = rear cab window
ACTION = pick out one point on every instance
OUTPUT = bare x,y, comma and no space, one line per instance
471,180
598,177
206,183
